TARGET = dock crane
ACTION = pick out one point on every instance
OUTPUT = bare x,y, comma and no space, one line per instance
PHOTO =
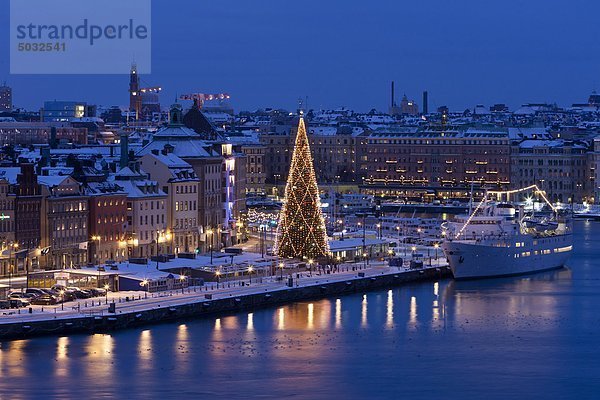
200,98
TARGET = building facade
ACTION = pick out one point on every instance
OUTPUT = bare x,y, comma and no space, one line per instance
179,181
64,225
28,133
66,110
28,215
107,222
562,169
333,150
7,228
255,168
146,229
222,178
445,163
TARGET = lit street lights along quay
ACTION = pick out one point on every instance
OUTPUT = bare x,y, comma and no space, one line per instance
134,308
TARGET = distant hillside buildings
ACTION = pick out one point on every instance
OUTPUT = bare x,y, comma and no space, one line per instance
5,98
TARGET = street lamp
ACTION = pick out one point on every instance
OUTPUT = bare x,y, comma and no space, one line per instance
13,248
146,283
122,246
181,280
62,300
168,237
436,245
209,232
159,239
250,269
310,263
106,293
281,265
96,238
218,275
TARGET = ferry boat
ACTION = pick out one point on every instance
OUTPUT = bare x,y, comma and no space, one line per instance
497,240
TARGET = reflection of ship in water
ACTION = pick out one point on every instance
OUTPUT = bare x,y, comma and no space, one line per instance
510,301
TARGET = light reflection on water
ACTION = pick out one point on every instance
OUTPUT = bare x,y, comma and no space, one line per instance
389,310
363,319
436,339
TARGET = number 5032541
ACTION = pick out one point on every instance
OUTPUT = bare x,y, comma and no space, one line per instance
58,46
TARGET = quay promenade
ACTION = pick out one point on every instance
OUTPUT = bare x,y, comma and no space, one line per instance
127,309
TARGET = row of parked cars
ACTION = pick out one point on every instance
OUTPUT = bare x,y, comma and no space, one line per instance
56,294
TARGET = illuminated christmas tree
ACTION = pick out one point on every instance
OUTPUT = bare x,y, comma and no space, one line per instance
301,229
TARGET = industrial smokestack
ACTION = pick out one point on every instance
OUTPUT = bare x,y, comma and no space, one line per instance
425,103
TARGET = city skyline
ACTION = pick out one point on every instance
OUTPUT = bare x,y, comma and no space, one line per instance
320,200
349,56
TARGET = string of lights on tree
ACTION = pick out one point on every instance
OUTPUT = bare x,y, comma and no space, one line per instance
301,230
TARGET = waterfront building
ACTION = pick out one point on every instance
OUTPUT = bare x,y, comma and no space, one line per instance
179,181
234,191
146,204
107,222
441,162
333,149
560,168
220,171
64,222
28,216
7,226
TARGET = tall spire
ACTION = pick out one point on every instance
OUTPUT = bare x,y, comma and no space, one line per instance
301,229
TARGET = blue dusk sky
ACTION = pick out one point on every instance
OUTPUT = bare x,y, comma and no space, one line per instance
268,53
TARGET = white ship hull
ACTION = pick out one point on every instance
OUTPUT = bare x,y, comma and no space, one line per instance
470,259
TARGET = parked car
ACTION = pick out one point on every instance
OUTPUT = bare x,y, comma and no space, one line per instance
45,300
35,291
19,295
97,292
18,303
4,304
80,293
30,296
63,293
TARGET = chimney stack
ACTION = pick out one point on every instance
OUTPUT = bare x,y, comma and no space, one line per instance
425,103
124,161
393,96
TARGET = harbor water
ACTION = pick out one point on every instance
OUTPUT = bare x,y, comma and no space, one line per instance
532,337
